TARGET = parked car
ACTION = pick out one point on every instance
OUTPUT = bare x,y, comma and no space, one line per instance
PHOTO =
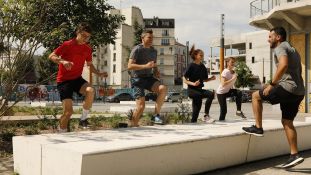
173,96
120,97
151,96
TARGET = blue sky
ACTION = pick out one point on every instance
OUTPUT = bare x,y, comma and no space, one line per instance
197,21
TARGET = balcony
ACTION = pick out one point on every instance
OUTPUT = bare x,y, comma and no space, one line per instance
260,7
266,14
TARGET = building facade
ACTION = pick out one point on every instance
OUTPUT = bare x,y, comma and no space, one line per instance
164,42
180,62
252,48
113,58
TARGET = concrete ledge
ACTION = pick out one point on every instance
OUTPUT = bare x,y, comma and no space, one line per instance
44,104
169,149
148,108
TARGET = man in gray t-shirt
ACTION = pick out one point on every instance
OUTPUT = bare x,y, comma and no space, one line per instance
145,75
142,55
286,88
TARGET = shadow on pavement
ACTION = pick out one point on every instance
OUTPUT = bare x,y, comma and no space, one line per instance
266,166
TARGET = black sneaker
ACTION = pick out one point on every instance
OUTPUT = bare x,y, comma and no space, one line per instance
293,160
84,124
253,130
240,114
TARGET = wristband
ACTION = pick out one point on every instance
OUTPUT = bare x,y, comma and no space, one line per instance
272,84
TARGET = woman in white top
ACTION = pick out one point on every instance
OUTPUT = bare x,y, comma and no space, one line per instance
225,90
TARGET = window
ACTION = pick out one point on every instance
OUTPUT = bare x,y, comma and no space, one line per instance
114,68
250,45
166,23
165,42
114,46
165,32
114,56
161,61
105,63
161,51
253,59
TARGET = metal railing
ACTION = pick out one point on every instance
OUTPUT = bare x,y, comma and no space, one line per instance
260,7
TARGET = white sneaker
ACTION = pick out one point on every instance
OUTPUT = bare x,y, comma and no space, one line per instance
59,130
208,119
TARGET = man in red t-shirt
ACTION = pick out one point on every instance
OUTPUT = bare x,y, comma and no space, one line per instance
71,57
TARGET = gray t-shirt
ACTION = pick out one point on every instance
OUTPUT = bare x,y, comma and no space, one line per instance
142,55
292,80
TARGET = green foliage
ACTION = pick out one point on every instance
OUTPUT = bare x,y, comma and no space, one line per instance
244,75
146,119
46,68
25,26
96,121
138,29
31,130
173,118
115,120
183,111
7,133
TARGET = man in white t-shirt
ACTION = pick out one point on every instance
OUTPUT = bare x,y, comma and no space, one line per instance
225,89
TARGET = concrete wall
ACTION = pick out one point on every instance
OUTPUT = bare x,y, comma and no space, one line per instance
170,149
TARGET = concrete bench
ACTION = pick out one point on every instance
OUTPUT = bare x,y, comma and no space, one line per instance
169,149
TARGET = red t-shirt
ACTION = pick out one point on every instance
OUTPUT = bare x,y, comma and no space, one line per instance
76,53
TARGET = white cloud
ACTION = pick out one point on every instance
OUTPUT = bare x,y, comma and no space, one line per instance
197,21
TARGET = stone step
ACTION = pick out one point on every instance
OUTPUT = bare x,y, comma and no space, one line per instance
152,150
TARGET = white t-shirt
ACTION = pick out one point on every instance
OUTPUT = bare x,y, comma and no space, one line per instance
226,73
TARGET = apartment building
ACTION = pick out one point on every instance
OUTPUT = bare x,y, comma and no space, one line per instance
164,41
181,62
252,48
113,58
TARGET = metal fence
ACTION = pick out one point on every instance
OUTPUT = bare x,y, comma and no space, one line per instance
260,7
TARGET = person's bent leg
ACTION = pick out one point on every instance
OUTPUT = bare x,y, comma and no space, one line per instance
291,135
238,99
209,95
67,112
257,108
161,90
223,106
140,106
88,92
196,107
256,129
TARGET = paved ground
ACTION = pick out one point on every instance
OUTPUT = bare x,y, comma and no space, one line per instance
267,167
264,167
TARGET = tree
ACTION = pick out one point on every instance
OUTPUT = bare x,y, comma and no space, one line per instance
26,25
138,30
244,75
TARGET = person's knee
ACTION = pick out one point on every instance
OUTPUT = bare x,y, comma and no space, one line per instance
256,96
140,107
68,113
287,123
239,94
90,90
162,89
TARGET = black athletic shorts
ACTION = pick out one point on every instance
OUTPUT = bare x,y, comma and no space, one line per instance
289,102
140,84
67,88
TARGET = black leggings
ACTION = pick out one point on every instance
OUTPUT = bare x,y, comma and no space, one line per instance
223,103
197,95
